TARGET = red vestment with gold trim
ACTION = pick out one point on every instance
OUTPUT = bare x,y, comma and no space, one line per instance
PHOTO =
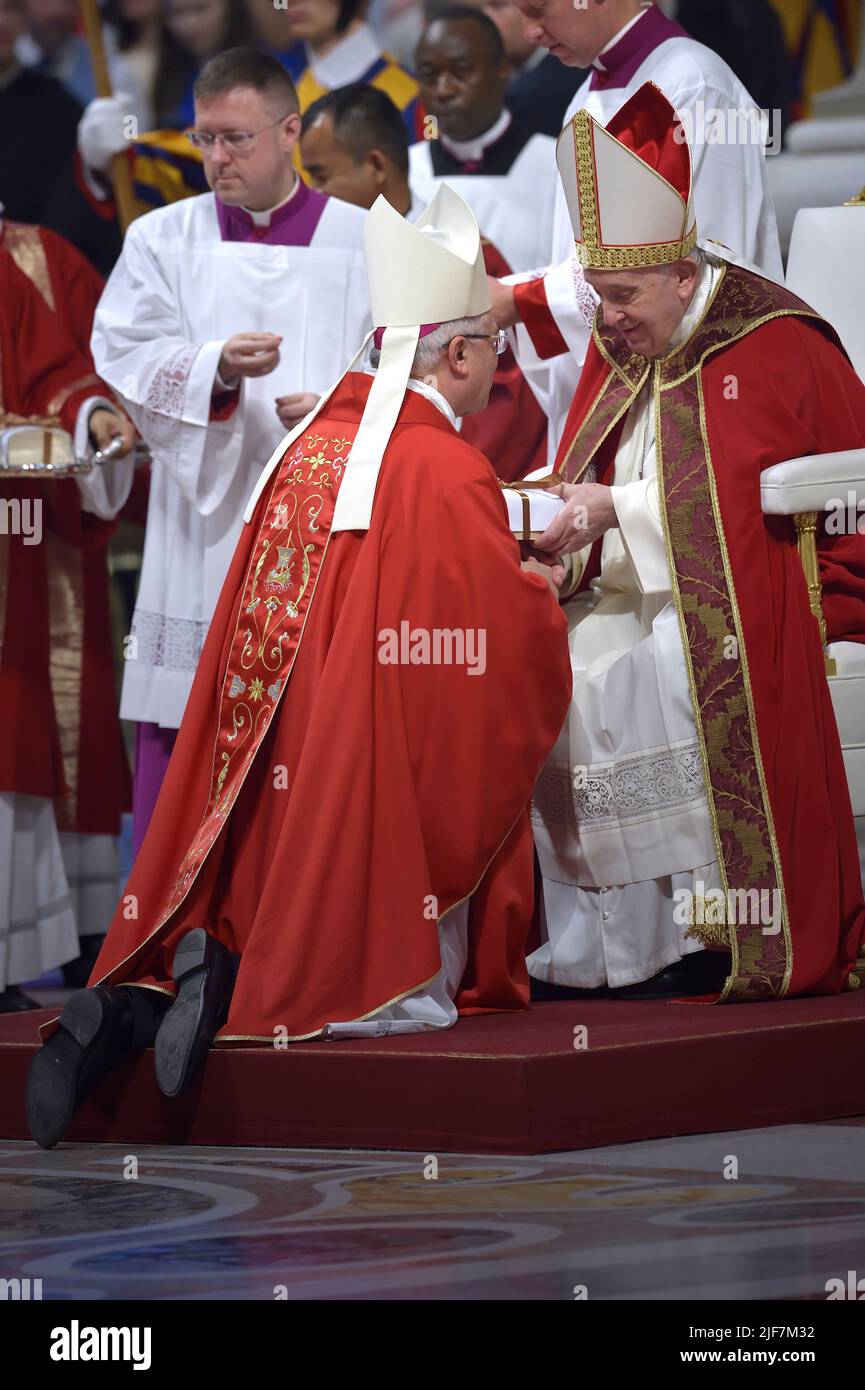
762,379
61,734
324,805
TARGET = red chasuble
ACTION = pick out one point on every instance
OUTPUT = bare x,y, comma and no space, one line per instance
761,379
58,704
339,781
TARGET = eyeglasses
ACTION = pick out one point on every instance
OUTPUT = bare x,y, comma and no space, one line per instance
238,141
499,340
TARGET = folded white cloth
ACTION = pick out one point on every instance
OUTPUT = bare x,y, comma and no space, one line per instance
530,510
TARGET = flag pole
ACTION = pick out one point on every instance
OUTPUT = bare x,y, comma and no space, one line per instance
121,174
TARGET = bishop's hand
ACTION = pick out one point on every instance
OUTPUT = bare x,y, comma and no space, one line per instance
552,573
291,409
588,512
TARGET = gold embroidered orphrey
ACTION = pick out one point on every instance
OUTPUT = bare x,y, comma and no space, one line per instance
277,595
705,597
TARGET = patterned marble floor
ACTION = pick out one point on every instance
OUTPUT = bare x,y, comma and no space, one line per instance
753,1215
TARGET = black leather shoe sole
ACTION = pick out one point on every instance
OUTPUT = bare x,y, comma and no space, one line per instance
93,1036
203,971
542,992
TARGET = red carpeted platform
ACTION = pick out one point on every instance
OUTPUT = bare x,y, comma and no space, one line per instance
514,1085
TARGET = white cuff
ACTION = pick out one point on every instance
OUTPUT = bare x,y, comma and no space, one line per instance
639,517
83,447
223,385
106,487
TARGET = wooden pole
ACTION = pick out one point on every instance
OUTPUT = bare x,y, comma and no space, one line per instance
121,174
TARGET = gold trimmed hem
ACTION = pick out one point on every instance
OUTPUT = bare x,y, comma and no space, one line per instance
303,1037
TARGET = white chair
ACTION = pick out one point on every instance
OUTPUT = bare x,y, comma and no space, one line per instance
826,246
822,165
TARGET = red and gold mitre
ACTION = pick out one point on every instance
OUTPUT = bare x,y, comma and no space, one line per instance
628,186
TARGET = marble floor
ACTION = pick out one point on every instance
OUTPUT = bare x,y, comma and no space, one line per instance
761,1214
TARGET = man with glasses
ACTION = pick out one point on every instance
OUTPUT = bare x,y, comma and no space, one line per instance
224,319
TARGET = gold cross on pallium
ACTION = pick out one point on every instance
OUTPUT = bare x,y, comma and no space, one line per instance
316,462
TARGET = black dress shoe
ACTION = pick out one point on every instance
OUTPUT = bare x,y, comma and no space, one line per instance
204,971
94,1034
15,1001
702,972
77,972
543,992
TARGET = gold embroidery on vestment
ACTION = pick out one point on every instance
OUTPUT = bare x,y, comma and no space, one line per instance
27,250
64,565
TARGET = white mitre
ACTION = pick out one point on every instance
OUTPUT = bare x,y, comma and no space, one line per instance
629,186
421,275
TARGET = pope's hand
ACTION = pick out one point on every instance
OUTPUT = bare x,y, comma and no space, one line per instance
290,409
102,130
588,512
249,354
106,425
552,574
503,305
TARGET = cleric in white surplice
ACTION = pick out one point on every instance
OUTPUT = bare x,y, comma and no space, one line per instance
628,43
261,255
506,174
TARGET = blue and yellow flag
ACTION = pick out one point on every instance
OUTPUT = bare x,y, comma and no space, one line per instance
166,168
823,41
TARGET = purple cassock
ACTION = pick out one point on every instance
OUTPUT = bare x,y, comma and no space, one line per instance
292,224
617,66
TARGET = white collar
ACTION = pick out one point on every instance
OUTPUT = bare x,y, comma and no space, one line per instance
347,61
262,218
697,307
435,396
429,392
616,39
474,149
